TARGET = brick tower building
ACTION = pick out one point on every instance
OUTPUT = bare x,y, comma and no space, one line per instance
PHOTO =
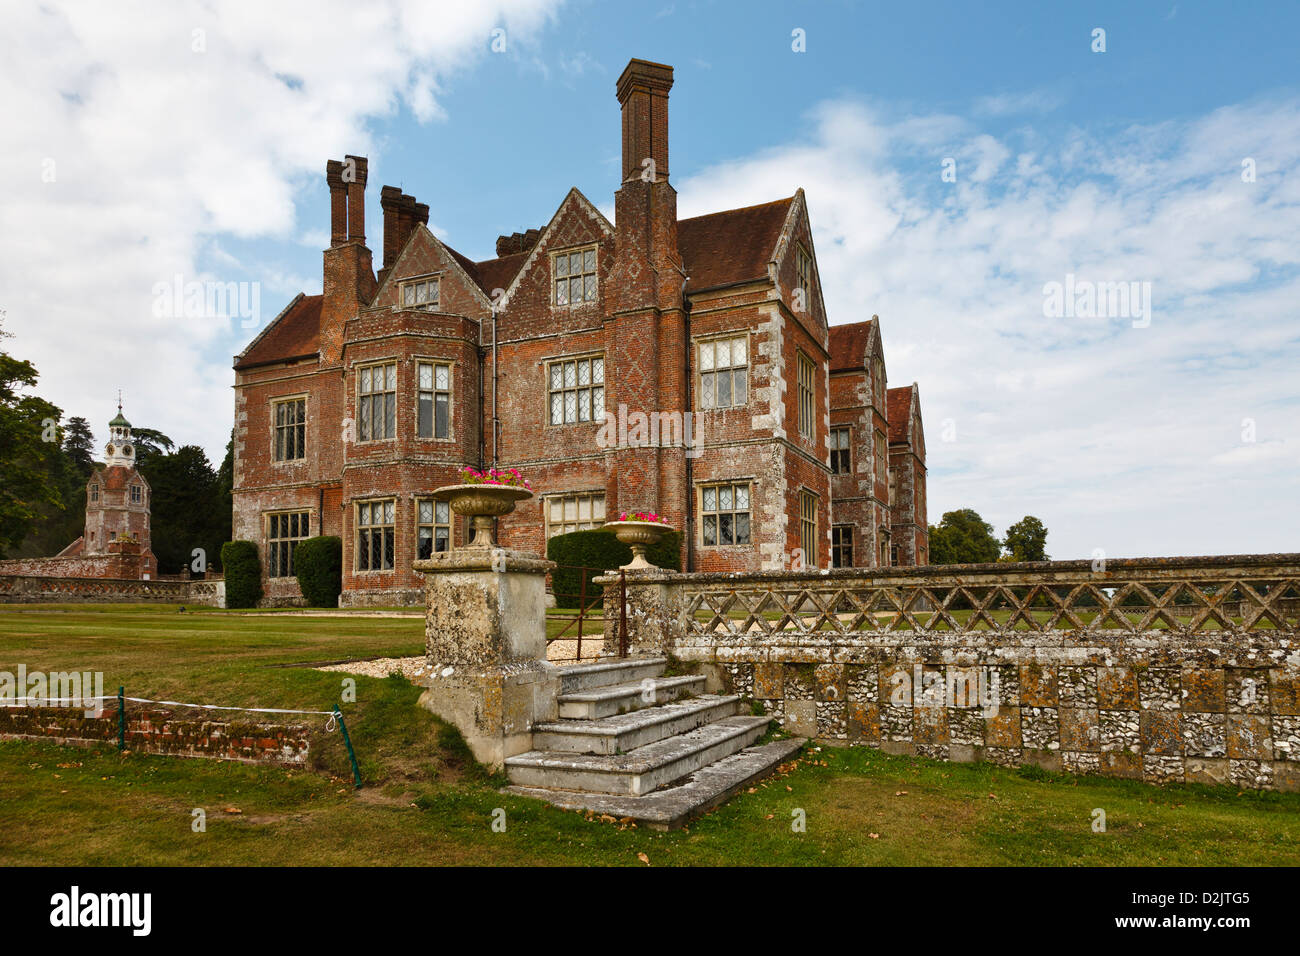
116,541
652,363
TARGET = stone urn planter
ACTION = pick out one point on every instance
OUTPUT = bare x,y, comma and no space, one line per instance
482,503
638,535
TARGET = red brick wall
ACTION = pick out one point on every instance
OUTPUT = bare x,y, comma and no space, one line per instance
160,731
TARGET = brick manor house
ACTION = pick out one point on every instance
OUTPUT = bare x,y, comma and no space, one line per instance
572,356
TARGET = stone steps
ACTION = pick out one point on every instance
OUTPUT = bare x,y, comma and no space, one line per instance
608,700
641,770
632,743
671,807
622,733
604,673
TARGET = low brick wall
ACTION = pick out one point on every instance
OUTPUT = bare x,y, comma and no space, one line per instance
160,731
38,589
1033,670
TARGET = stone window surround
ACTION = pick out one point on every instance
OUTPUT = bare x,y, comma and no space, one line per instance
809,501
267,522
450,524
94,492
700,485
554,255
356,370
305,398
592,493
410,282
357,528
805,361
807,278
416,362
137,493
603,384
712,338
847,450
842,548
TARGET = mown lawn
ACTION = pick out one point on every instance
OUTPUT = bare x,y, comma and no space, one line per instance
426,803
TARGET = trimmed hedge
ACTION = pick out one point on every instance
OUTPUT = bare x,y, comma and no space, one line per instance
601,551
243,569
318,565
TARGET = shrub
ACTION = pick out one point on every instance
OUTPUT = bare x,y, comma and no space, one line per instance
243,569
600,551
318,565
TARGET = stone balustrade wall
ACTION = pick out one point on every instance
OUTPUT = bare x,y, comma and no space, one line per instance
1166,669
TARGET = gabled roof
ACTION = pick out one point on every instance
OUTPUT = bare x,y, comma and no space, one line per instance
116,477
500,272
898,411
572,199
850,346
719,249
732,246
294,333
421,233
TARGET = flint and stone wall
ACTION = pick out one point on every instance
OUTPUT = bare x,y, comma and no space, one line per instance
850,657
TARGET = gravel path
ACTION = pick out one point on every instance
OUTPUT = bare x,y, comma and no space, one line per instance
412,668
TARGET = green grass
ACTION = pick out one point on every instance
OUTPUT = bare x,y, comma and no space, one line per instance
427,803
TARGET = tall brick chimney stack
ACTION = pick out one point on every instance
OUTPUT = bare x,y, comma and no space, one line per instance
338,203
356,182
645,296
401,214
390,198
349,279
643,93
405,219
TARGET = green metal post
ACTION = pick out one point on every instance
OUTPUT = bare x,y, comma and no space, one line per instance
121,718
352,754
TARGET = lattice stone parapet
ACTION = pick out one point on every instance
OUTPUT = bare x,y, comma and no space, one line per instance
1169,596
1163,669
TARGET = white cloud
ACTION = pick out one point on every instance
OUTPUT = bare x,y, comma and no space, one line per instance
1118,437
162,137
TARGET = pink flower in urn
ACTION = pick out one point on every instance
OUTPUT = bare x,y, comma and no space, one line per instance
508,478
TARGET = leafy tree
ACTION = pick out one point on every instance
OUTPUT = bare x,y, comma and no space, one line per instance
963,537
31,467
186,507
149,442
1027,540
79,446
225,497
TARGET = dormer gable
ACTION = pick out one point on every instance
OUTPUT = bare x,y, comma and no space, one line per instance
576,224
426,263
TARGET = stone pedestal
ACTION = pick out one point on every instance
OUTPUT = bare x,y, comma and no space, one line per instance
485,638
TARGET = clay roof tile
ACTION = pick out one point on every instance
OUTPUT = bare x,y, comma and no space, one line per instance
294,334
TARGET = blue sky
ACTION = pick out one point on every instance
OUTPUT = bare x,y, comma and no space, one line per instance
1181,435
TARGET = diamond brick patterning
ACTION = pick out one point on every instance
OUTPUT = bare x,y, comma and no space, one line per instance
1163,669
